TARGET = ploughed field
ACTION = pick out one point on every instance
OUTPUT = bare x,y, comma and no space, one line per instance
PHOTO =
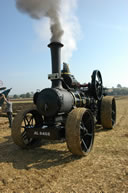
51,168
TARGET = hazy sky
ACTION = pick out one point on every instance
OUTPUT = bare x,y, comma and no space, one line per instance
102,43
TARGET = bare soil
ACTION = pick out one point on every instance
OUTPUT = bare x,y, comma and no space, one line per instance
53,169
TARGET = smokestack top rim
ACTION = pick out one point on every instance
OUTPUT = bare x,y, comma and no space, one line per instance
59,44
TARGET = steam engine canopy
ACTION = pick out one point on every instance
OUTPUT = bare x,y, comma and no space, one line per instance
51,101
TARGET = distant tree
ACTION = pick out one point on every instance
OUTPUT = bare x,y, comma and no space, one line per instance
15,96
28,95
119,86
22,96
32,93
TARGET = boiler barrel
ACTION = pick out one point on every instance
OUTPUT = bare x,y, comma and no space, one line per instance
51,101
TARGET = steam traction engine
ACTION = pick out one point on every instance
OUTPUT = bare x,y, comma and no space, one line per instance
68,110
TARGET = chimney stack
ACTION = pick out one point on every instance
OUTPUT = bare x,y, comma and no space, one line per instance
56,62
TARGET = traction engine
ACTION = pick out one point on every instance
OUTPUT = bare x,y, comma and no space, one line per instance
68,110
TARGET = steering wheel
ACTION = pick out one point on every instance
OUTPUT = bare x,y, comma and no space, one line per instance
96,85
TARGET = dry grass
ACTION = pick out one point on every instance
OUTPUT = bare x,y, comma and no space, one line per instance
52,168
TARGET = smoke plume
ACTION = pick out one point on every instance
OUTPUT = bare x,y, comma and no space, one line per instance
71,26
60,16
40,8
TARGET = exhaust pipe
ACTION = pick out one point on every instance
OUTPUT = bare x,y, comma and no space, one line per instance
56,62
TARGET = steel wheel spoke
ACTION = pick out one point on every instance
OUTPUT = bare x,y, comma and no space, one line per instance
25,138
84,144
24,135
22,126
88,134
113,121
113,112
25,121
28,121
31,120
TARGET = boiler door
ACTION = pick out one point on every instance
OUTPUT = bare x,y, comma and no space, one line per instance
48,102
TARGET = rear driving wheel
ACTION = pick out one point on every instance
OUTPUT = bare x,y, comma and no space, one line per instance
108,112
80,131
26,119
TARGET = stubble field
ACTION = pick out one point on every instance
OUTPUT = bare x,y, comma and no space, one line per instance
53,169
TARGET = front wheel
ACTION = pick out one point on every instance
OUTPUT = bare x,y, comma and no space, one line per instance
26,118
80,131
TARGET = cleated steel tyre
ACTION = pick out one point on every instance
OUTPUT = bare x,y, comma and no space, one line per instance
108,112
80,131
28,117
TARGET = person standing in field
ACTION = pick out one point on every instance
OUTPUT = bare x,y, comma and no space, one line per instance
1,96
8,109
0,99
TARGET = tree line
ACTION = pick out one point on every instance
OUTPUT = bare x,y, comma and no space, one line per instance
26,95
118,91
